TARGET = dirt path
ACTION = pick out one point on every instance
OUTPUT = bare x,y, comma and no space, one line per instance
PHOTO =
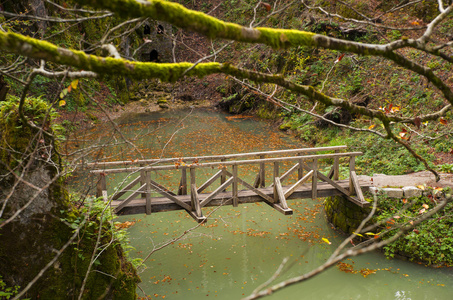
414,179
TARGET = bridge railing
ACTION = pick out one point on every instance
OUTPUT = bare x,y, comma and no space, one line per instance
305,161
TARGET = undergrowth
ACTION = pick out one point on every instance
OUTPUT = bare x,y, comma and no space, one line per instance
430,242
93,213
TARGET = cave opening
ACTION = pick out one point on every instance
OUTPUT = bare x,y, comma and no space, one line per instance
160,29
147,29
154,56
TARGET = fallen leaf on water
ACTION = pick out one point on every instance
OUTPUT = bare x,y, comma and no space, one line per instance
326,241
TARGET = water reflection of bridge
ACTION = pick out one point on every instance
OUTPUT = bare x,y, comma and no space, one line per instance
308,181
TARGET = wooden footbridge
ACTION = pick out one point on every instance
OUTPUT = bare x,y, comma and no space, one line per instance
136,195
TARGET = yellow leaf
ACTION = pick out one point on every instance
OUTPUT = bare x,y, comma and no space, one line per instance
370,233
357,234
74,83
326,241
62,103
422,187
371,126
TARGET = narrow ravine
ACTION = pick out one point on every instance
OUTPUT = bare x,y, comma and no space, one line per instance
240,248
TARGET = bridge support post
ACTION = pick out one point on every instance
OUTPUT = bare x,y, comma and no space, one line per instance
279,196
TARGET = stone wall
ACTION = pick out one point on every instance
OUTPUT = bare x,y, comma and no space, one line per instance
347,216
343,214
157,38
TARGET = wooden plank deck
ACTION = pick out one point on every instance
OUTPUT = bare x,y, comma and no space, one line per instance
161,204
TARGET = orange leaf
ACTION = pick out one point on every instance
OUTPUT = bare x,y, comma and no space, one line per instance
395,108
443,121
371,126
339,58
267,6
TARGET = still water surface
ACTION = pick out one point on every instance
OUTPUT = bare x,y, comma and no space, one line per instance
240,248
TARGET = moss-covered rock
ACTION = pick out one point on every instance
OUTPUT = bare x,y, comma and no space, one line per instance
343,214
39,222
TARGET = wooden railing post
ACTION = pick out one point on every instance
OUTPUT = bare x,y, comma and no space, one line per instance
351,169
148,192
142,179
192,176
182,190
276,174
300,170
262,173
235,185
314,182
101,186
223,175
195,202
336,167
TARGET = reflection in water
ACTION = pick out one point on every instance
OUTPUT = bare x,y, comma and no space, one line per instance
240,248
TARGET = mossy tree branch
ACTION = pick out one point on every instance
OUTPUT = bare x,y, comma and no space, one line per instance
38,49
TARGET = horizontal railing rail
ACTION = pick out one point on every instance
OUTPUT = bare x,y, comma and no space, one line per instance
192,159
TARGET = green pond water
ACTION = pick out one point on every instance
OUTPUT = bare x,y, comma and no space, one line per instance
241,247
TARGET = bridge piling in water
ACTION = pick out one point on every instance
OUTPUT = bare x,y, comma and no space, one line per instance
140,200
